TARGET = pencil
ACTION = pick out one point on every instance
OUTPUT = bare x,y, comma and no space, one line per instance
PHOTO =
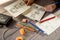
41,21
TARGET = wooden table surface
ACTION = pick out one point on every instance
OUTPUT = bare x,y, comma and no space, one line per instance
29,35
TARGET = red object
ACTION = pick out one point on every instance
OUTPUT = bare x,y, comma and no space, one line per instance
47,19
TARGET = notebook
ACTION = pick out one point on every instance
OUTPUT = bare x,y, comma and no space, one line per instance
19,7
49,26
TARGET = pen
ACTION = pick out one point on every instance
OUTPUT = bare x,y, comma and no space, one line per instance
43,16
41,21
36,26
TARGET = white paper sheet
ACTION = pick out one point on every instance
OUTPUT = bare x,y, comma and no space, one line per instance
4,1
36,12
49,26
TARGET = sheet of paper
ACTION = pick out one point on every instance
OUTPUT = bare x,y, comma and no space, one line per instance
57,13
17,8
4,1
36,12
49,26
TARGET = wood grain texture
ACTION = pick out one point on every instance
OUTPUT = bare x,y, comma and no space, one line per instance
30,35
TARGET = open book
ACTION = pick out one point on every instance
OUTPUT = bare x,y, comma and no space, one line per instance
34,11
